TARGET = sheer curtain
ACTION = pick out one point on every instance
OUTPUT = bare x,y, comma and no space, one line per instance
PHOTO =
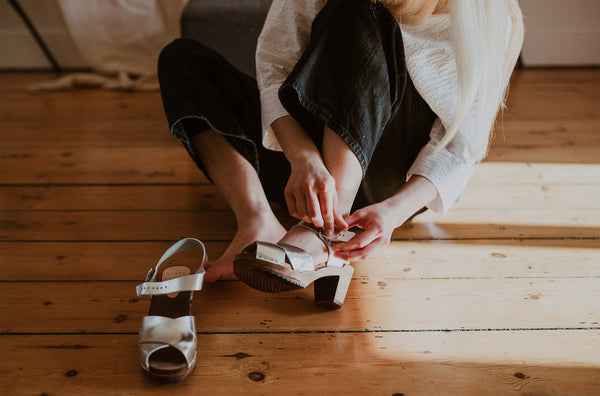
120,41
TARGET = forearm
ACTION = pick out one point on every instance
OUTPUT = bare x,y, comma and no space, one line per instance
296,144
414,195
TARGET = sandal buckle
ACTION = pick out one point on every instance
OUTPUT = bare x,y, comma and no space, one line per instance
342,236
327,240
149,274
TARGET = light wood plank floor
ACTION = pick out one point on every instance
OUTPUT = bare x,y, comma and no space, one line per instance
500,296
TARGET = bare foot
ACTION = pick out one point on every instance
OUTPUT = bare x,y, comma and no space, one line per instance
258,230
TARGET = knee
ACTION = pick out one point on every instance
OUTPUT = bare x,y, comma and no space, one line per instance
180,52
168,57
171,55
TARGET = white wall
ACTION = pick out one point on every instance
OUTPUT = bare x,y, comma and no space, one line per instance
561,32
18,49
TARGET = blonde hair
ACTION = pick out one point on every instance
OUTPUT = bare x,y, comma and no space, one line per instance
487,36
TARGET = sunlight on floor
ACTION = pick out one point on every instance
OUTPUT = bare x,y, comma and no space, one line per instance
577,348
482,259
495,302
518,283
532,172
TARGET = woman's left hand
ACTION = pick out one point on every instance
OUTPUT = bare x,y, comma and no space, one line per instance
380,220
378,223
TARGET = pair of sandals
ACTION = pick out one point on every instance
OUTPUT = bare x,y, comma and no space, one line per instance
167,339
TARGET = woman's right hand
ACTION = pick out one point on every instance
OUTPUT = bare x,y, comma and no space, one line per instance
311,195
310,192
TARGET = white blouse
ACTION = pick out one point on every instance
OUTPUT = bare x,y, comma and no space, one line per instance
430,62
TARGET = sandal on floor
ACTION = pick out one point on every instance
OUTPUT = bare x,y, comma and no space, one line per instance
167,339
277,267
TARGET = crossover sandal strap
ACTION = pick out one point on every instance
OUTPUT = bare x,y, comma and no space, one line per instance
299,259
158,332
185,283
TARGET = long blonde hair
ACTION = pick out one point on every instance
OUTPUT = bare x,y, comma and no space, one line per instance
484,58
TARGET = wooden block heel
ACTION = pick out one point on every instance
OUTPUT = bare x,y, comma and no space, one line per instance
330,291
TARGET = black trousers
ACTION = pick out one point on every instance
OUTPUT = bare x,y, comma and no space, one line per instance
352,78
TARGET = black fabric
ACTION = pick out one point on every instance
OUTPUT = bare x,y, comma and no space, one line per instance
352,78
201,90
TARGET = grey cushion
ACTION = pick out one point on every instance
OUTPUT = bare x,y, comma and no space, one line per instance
231,27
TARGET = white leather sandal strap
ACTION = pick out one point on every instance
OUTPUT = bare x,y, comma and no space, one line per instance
270,252
299,259
180,246
157,332
183,283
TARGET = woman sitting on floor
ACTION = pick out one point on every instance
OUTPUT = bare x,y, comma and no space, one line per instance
365,113
377,120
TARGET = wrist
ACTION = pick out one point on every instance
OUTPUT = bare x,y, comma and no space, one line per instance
303,155
397,208
417,193
296,144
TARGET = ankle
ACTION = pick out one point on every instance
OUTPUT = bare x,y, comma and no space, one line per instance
255,217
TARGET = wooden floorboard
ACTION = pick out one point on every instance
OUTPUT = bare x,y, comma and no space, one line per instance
156,165
524,258
57,168
220,225
205,197
111,197
497,297
372,363
129,165
439,304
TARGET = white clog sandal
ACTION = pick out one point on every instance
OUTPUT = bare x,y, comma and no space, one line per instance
167,338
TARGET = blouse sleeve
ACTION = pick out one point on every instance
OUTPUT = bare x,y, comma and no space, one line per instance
431,64
449,168
284,38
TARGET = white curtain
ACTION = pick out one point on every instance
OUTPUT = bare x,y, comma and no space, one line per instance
120,40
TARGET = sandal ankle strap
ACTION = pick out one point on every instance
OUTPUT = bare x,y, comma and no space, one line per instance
191,282
183,283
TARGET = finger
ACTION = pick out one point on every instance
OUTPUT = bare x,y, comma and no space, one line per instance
338,220
300,207
364,239
327,208
313,209
291,203
357,219
361,254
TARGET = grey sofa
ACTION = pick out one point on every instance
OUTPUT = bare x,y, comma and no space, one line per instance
231,27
